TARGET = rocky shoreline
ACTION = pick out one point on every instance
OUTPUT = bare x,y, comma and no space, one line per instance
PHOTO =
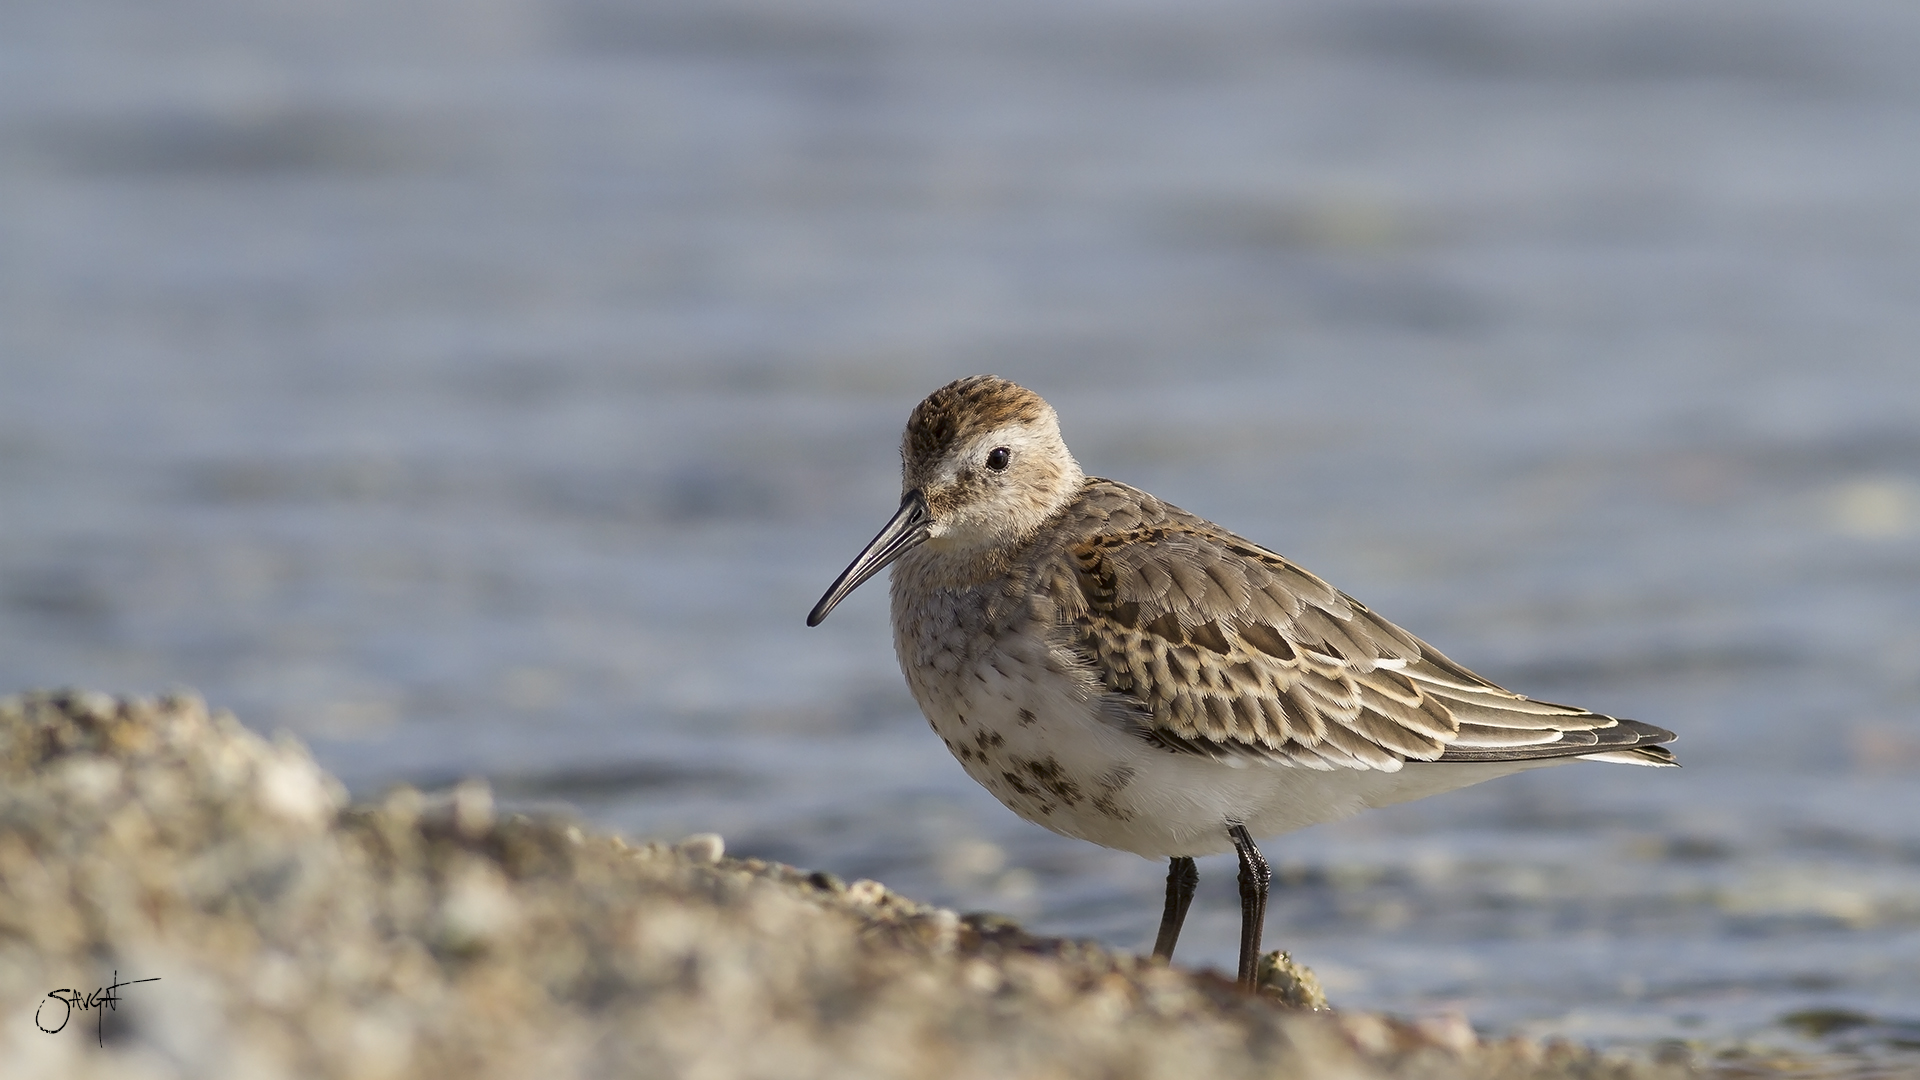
295,935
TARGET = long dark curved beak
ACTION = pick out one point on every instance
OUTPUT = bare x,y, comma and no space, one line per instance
908,528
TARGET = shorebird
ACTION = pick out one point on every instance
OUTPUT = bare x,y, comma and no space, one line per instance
1118,670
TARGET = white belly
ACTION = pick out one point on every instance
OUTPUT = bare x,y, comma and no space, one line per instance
1053,760
1021,716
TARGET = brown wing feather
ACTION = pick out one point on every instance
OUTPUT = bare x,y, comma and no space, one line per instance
1221,647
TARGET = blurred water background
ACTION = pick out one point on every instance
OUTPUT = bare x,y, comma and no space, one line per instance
489,387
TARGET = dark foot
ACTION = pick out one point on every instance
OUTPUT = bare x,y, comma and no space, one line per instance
1254,878
1181,879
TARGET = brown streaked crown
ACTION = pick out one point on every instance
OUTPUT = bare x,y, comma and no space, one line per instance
964,408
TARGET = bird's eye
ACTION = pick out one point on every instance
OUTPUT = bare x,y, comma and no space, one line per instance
997,458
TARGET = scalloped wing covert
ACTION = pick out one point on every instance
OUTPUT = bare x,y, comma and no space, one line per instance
1214,645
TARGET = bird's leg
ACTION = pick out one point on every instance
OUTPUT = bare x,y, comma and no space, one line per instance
1181,879
1254,877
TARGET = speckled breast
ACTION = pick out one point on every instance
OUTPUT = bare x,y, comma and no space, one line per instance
1013,706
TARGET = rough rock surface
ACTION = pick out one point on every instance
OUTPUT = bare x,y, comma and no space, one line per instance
295,936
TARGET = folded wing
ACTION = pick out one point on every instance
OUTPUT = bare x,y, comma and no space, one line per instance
1213,645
